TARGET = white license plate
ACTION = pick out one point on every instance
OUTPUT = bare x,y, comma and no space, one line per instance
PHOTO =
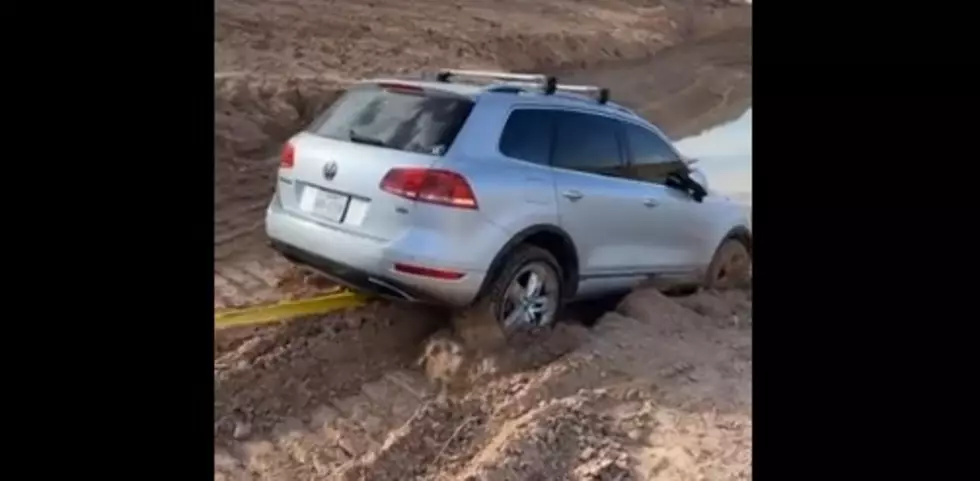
323,204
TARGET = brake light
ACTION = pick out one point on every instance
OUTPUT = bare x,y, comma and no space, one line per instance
287,157
433,186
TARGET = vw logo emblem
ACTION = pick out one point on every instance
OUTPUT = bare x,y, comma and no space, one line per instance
330,170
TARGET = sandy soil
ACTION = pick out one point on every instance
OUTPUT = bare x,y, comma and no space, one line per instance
658,389
345,39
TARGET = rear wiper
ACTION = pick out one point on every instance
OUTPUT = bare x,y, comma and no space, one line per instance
361,139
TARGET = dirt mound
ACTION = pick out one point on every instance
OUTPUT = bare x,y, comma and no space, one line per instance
654,391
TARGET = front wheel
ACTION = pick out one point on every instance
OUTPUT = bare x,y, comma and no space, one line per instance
525,295
731,266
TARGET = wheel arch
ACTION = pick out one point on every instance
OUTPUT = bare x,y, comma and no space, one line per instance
740,233
549,237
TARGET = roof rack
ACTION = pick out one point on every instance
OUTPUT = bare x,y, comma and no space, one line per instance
547,83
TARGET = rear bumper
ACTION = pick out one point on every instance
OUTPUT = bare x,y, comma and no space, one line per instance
351,277
365,264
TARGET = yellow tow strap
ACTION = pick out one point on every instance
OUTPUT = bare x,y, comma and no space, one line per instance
265,314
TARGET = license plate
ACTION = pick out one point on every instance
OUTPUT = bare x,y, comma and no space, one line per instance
323,204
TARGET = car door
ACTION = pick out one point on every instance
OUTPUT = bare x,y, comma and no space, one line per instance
676,226
596,200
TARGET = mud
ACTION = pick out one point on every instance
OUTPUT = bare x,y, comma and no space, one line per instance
264,375
656,390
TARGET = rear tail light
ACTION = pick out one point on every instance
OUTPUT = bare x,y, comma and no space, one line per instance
287,157
428,272
433,186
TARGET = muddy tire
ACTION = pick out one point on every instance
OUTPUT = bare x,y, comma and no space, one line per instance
483,325
730,268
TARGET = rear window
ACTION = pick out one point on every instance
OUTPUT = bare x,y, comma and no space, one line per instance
527,136
419,122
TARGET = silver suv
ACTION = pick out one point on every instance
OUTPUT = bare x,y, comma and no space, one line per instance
505,196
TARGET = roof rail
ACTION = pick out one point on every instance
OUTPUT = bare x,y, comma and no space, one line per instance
537,80
549,84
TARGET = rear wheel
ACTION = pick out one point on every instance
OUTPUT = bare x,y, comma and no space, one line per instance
524,296
731,266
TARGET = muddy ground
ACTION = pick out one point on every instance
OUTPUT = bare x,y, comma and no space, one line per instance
659,388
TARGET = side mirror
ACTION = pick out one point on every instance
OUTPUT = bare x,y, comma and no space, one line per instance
692,182
698,176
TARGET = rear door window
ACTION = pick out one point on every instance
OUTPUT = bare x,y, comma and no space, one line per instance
527,136
587,143
395,117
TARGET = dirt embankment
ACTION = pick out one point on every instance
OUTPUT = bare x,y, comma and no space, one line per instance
279,62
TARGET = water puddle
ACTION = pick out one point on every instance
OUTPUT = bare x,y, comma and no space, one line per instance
725,155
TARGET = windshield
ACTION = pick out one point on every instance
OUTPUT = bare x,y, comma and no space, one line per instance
402,119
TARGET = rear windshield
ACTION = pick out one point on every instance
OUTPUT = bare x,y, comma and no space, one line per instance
394,118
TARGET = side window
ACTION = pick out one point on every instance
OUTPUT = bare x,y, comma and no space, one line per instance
527,136
587,143
652,157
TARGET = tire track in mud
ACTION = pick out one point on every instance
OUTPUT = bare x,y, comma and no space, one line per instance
271,373
336,433
260,279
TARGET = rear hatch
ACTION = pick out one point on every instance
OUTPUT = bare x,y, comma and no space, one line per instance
332,172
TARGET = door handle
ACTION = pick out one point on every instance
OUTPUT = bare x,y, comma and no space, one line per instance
650,203
572,195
